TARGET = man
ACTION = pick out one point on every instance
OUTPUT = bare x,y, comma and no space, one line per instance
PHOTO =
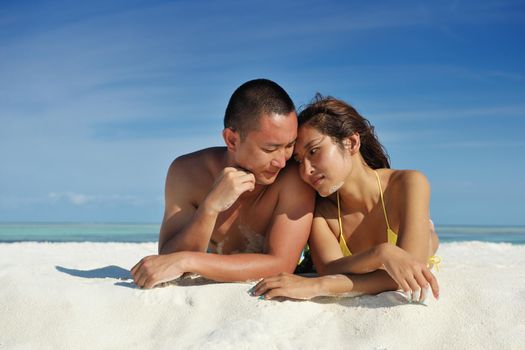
238,201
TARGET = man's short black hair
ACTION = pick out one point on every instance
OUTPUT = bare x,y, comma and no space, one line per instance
253,99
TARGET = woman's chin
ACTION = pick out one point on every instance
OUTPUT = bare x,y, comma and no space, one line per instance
325,192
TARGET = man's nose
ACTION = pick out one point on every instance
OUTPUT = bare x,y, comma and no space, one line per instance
280,159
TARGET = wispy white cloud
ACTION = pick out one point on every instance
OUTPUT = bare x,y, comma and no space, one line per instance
83,199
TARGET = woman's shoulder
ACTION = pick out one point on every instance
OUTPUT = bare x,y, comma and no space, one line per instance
405,180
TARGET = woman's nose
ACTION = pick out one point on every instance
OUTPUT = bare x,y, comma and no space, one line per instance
308,169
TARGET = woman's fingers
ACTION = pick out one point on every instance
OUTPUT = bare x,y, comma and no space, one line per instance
414,287
278,292
419,284
406,288
265,285
429,276
424,294
285,285
423,285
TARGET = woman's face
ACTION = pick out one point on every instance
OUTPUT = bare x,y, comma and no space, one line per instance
323,164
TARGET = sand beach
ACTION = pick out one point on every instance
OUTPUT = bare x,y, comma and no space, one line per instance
80,296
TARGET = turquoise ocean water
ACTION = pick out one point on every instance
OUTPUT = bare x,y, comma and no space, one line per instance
118,232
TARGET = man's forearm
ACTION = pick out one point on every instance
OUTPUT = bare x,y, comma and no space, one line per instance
195,236
236,267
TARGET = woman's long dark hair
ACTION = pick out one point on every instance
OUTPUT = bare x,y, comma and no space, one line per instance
339,120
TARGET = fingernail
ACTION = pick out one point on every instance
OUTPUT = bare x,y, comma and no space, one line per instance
261,297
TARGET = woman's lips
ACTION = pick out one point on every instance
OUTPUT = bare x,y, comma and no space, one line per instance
317,180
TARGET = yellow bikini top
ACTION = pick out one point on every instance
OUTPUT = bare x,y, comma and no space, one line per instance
390,234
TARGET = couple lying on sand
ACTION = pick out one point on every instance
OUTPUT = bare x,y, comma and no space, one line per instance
243,212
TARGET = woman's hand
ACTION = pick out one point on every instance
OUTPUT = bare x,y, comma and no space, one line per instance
412,276
289,286
155,269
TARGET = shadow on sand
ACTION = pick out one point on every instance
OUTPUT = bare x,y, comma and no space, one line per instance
385,299
382,300
112,271
119,273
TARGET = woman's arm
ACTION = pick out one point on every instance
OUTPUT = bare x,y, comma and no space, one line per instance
404,265
297,287
326,252
411,193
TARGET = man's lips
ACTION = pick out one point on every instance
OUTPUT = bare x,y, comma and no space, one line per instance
272,173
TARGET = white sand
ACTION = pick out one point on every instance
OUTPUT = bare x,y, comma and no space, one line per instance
69,296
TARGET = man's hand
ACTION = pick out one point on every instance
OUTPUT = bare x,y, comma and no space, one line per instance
228,186
155,269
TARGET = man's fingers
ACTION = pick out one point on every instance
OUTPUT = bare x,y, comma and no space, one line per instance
247,186
236,171
141,280
150,283
134,268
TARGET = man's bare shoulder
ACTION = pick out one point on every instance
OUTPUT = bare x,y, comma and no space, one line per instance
198,164
290,181
326,207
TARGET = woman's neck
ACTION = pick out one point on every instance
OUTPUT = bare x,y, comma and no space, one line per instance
359,192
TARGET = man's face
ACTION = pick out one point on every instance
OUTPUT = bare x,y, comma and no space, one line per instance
264,151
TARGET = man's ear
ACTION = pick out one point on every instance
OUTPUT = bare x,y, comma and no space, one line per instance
231,138
352,143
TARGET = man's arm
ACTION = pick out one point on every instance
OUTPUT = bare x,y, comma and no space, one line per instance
186,228
286,238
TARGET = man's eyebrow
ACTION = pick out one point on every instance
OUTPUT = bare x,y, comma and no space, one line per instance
280,145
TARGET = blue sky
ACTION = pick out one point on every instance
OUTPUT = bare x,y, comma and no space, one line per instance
97,98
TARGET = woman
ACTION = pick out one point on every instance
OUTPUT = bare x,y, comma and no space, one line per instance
372,230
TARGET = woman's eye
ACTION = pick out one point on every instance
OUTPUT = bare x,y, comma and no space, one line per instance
313,150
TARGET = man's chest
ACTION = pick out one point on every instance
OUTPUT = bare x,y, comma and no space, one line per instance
243,227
